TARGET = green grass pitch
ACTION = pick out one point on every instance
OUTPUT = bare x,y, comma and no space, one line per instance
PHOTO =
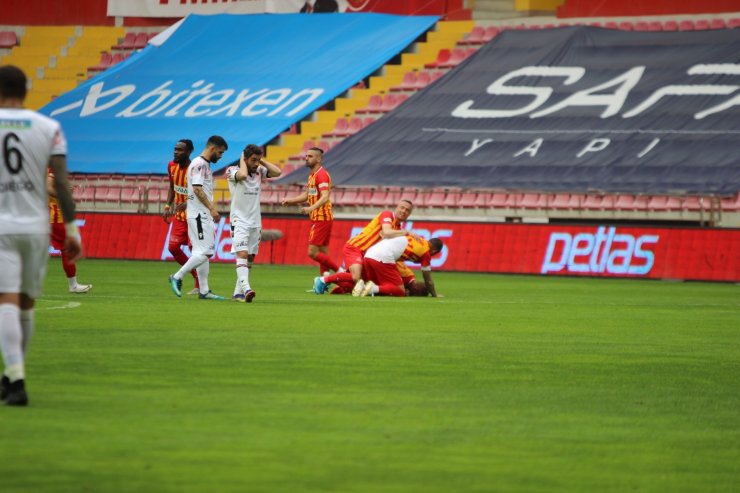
507,384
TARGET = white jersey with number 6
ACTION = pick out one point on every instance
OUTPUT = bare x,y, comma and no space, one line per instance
27,142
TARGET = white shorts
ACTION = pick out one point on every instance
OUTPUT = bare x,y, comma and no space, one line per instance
201,231
23,260
245,239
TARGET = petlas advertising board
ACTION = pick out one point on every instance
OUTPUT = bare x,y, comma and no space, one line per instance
596,251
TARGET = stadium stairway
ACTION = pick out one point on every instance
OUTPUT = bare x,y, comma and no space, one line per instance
55,58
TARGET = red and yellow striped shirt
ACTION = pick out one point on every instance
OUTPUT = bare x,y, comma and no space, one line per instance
417,251
179,181
370,234
318,182
55,212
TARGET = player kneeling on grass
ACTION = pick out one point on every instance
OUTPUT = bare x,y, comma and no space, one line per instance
245,184
379,266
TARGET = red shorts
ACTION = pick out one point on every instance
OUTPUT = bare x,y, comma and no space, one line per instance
352,255
320,233
179,233
58,235
381,273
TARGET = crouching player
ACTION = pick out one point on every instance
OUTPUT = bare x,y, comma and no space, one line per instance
381,271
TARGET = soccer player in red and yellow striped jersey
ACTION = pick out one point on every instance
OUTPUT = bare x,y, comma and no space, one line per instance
381,269
387,224
58,235
177,201
318,196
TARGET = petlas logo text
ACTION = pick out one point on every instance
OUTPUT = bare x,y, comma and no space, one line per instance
605,251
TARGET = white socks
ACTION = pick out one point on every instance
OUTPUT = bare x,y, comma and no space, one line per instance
11,340
242,274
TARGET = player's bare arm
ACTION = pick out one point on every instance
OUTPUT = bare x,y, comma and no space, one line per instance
201,195
298,199
428,282
273,170
170,199
323,199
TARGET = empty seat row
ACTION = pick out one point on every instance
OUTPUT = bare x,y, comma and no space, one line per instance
414,81
134,41
383,103
107,60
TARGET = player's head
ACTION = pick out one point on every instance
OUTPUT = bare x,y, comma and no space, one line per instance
252,155
215,148
183,148
435,246
417,289
314,156
404,209
13,83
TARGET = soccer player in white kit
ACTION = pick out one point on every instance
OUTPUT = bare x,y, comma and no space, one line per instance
245,184
202,216
31,144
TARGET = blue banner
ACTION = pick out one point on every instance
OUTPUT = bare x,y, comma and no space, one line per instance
570,109
244,77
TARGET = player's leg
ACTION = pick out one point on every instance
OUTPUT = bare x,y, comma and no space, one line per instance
318,245
386,280
58,235
178,239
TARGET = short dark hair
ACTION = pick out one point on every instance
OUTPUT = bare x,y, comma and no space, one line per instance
188,144
319,149
407,201
436,243
252,149
13,82
218,141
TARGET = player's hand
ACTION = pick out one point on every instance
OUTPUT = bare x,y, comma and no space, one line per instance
215,215
166,215
73,249
181,207
306,210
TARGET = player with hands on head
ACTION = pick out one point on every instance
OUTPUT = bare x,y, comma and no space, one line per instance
245,185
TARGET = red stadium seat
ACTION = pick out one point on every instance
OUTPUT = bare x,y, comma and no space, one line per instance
141,40
408,83
373,105
129,40
611,25
467,200
443,57
532,201
670,26
565,201
456,56
701,25
663,203
733,23
717,24
8,39
491,32
626,26
341,128
641,26
731,204
655,26
686,25
393,101
475,37
106,60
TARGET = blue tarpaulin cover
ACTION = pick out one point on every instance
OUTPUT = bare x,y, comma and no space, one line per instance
244,77
568,109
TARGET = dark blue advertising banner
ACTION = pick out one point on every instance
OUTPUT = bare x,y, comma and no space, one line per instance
569,109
